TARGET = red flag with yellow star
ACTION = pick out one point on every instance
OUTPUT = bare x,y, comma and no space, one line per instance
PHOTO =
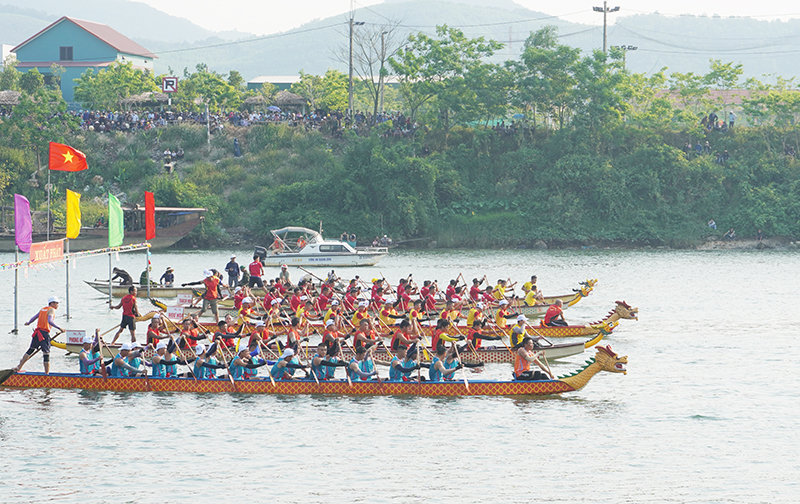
65,158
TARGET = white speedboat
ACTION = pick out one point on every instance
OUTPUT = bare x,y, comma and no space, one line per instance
299,246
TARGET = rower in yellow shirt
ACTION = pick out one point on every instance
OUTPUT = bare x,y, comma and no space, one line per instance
502,313
534,297
476,312
526,287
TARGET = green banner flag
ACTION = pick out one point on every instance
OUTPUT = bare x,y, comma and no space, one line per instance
116,226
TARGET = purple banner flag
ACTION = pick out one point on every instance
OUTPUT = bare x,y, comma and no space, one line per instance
23,225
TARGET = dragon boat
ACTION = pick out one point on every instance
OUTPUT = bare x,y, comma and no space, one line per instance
622,310
489,354
604,360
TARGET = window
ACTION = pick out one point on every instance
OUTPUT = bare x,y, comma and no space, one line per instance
331,248
65,53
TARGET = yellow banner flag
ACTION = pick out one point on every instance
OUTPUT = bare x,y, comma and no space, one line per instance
73,214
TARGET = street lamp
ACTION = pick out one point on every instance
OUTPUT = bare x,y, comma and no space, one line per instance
605,10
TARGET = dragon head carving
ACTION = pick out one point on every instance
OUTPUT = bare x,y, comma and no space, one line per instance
610,361
625,311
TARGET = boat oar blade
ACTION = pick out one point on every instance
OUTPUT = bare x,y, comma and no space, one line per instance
5,374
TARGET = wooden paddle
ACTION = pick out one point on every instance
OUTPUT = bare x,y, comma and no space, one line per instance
463,374
225,361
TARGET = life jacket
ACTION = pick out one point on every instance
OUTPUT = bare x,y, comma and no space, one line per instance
520,365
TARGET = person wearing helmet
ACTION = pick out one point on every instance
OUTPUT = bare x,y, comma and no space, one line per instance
40,339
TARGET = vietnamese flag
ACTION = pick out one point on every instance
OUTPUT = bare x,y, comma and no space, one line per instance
65,158
149,216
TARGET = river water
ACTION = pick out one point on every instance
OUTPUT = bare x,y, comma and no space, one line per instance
706,413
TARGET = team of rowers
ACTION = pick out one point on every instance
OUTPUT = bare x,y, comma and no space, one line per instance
344,314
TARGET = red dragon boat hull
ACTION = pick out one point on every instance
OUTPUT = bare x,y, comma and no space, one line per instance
289,387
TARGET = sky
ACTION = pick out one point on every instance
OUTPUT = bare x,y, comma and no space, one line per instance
263,17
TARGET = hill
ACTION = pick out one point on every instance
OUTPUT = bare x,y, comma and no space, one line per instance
19,19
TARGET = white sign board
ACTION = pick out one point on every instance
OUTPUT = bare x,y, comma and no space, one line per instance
169,85
184,299
75,337
175,312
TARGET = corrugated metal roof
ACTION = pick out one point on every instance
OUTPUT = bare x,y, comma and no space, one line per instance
103,32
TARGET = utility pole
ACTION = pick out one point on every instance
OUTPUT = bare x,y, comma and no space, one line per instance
625,50
380,77
605,10
350,87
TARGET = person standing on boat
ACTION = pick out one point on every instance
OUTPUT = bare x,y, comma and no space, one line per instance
41,335
284,275
210,296
555,315
168,278
256,269
522,363
90,359
233,273
130,310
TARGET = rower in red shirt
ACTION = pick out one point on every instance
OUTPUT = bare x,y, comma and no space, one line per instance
350,299
555,315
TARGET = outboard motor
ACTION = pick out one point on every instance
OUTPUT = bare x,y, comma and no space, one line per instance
261,253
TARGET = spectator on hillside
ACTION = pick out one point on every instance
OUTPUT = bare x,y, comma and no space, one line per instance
712,224
759,236
707,148
731,234
731,119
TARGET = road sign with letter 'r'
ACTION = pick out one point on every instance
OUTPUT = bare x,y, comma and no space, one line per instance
169,85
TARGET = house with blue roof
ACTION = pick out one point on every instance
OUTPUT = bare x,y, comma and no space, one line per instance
76,45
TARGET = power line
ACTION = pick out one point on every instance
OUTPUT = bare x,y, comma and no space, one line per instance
256,39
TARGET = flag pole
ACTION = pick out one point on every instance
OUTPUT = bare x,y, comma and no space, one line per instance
109,277
67,240
48,203
147,269
16,290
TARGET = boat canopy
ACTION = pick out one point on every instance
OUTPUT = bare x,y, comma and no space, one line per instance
310,235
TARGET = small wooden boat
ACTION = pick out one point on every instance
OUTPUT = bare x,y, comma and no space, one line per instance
604,360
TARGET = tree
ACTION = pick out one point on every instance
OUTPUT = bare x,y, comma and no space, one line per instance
546,76
437,69
106,88
31,81
309,87
724,77
9,77
210,88
373,45
334,91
